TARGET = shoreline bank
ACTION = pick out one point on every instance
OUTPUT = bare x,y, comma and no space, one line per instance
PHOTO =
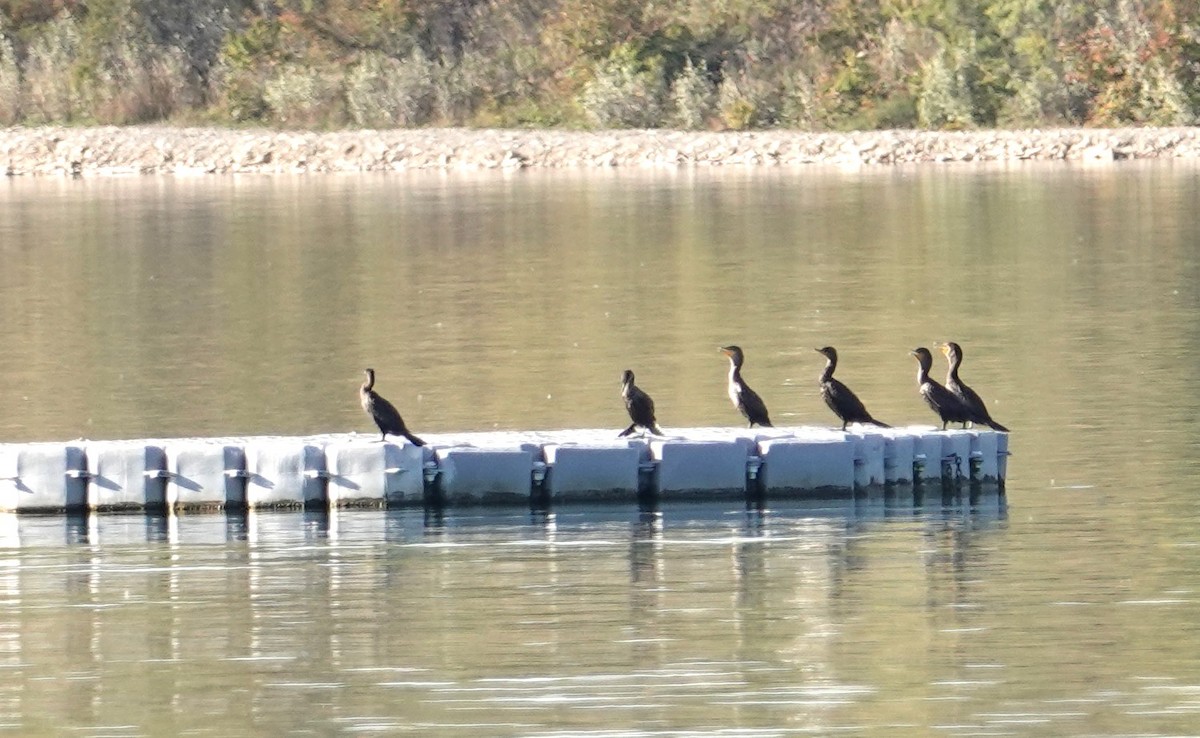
113,150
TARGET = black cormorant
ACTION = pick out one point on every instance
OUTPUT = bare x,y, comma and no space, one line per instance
639,405
840,399
384,413
940,399
746,400
968,397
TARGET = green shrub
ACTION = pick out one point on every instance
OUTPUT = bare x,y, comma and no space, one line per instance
10,81
624,93
460,89
133,81
1043,97
297,96
1162,99
382,92
748,102
246,60
945,101
693,96
51,93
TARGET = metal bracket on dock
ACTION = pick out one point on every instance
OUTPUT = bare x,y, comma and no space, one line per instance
975,465
539,472
80,474
237,473
431,470
753,464
317,474
950,466
158,474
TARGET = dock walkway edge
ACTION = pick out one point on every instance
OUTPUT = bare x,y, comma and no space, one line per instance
488,468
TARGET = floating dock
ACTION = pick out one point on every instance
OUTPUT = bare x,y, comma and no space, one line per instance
515,468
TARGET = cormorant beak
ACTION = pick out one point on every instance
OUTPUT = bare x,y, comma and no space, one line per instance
945,348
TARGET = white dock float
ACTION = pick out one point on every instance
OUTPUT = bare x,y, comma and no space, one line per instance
508,467
899,449
869,462
476,476
125,475
368,473
205,474
1002,455
795,466
284,472
42,476
985,456
701,469
927,456
956,454
595,471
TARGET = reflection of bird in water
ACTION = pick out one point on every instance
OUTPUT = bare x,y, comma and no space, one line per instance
746,400
940,399
384,413
840,399
639,405
976,408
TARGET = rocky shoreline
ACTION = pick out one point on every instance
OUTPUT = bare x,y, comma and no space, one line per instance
169,150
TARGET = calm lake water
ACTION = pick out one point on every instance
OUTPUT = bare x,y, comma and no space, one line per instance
213,306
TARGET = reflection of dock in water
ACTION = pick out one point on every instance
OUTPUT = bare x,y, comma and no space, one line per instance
520,468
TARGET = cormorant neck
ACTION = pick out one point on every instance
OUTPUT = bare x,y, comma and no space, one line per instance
830,365
952,372
368,385
922,372
735,372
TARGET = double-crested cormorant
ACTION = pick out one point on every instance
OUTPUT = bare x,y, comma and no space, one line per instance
968,397
746,400
384,413
639,405
941,400
844,403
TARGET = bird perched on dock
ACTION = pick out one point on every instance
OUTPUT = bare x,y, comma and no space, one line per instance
384,413
840,399
976,408
640,407
941,400
746,400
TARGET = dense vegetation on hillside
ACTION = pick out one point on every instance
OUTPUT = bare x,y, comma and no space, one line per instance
813,64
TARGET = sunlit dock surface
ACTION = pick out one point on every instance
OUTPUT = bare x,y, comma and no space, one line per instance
533,468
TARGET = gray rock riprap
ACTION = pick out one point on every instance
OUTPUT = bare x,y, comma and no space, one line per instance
169,150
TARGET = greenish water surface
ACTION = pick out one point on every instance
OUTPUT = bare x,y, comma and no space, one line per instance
158,307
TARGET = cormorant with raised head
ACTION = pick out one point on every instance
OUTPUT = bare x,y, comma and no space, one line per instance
840,399
746,400
639,405
384,413
940,399
970,399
